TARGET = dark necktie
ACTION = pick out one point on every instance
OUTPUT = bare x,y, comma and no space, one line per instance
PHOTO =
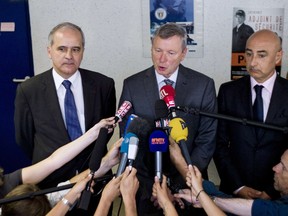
168,82
258,104
72,121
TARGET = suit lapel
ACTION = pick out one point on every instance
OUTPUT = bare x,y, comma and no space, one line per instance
246,98
275,101
181,87
89,92
51,98
151,87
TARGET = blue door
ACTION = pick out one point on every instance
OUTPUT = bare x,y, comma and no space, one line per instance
16,63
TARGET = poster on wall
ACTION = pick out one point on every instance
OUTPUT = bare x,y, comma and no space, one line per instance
187,13
246,21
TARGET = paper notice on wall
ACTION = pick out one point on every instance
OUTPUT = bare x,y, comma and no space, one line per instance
7,26
246,21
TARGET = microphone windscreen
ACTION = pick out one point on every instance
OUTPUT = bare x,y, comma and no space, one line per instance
178,129
161,110
99,150
140,127
130,119
133,147
123,110
167,93
158,141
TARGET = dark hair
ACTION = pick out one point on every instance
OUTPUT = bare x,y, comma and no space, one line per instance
240,13
34,206
169,30
65,25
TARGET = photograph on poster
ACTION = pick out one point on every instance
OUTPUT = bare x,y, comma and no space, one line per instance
246,21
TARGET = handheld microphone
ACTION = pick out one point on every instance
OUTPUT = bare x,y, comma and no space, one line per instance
161,113
130,119
158,143
122,111
94,164
167,93
124,154
133,149
179,132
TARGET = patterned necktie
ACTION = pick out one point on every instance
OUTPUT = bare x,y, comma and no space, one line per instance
258,104
168,82
72,121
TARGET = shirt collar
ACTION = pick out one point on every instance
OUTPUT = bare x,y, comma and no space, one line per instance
161,78
58,79
268,84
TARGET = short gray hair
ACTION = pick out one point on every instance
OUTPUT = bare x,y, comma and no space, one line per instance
65,25
169,30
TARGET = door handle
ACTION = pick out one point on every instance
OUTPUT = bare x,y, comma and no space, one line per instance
21,80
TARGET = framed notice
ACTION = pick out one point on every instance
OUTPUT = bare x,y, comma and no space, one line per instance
187,13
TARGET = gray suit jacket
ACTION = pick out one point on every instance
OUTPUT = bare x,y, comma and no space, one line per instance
193,90
39,125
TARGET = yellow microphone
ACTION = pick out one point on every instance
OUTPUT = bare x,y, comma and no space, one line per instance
179,132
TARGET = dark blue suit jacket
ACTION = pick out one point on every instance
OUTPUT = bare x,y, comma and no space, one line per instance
242,157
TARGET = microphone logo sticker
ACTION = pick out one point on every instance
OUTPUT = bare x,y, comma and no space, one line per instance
163,93
157,141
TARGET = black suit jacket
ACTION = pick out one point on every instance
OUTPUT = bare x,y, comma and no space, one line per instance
193,90
242,157
39,125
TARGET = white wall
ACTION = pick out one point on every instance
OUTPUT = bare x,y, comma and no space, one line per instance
113,31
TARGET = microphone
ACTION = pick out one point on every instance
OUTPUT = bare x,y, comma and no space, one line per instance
130,119
122,111
161,112
124,154
158,143
167,93
132,149
94,164
179,132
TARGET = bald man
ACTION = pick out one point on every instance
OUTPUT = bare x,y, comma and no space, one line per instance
245,155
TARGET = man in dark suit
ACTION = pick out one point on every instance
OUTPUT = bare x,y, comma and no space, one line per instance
193,90
245,155
40,122
241,32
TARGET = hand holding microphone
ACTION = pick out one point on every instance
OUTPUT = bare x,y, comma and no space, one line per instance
124,154
99,150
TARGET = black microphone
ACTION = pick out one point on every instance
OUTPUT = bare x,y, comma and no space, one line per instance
141,128
158,143
99,150
161,113
130,119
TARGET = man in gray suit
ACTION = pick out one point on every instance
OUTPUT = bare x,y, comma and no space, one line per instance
193,90
40,122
